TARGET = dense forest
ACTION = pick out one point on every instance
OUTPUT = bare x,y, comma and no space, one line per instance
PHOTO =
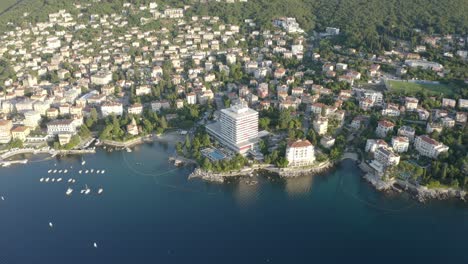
364,23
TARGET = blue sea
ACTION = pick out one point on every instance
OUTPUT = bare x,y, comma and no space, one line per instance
150,212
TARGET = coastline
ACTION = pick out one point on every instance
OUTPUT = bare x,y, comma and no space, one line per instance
420,193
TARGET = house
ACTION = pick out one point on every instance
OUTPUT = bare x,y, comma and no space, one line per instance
461,117
300,153
432,126
462,103
111,108
327,141
400,144
132,128
102,78
20,132
366,104
61,126
391,110
384,127
386,157
407,131
5,131
447,122
142,90
321,125
411,103
429,147
448,103
158,105
373,144
358,122
135,109
191,98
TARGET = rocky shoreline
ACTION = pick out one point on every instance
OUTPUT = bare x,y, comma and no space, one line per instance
421,193
249,171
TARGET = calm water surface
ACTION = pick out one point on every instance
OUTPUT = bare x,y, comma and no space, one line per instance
150,213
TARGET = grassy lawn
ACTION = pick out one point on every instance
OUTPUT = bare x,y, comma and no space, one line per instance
4,4
412,88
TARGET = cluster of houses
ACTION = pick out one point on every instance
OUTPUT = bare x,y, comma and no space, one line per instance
60,77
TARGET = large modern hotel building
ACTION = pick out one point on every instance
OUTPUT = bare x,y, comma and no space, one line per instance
237,128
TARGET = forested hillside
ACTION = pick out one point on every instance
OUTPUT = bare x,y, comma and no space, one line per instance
365,23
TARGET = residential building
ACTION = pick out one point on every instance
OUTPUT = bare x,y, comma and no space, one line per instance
373,144
135,109
300,153
386,157
407,131
61,126
411,103
448,102
20,132
321,125
5,131
383,128
327,141
400,144
429,147
111,108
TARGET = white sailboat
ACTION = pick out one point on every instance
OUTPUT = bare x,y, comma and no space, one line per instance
3,198
65,171
86,171
103,171
100,190
59,179
49,171
53,180
69,191
88,190
55,171
47,180
95,245
41,180
51,225
98,171
69,180
80,171
92,170
60,171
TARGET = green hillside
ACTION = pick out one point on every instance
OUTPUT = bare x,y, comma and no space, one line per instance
4,4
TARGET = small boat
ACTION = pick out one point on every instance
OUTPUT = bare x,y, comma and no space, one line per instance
92,170
60,171
82,191
55,171
98,171
128,150
65,171
47,180
51,225
86,171
69,191
59,179
80,171
41,180
100,190
3,198
52,180
95,245
83,162
103,171
69,180
87,191
49,171
74,180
